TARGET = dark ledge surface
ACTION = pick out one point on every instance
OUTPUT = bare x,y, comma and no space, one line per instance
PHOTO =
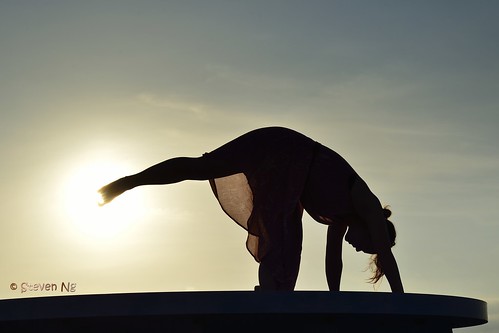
242,311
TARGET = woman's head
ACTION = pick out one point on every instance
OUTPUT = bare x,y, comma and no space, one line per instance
392,233
375,264
359,237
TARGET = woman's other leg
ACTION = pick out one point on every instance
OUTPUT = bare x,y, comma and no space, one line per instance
279,268
168,172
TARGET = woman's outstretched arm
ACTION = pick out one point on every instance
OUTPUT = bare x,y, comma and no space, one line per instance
168,172
334,262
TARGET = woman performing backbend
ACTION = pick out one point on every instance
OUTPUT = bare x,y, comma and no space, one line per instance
264,180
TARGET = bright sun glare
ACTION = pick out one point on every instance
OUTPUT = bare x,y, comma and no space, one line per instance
81,202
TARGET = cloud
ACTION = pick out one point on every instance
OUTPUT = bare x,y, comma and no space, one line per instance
173,103
249,79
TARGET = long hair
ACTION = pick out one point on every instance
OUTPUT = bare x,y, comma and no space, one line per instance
374,263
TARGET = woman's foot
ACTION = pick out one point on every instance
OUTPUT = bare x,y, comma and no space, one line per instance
112,190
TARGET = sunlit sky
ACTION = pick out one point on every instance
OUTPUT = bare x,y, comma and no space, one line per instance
406,91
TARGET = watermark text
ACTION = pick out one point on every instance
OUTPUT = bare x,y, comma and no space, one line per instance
44,287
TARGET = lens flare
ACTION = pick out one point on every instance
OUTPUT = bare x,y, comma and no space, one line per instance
84,205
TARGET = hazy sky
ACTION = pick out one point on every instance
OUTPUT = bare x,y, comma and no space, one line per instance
406,91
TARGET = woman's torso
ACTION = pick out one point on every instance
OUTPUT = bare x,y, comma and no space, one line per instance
280,160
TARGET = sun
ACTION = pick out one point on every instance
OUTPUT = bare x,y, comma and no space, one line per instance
81,201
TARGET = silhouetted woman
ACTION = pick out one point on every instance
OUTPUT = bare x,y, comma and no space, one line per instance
264,180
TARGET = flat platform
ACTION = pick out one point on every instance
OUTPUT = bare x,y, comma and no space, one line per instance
242,311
